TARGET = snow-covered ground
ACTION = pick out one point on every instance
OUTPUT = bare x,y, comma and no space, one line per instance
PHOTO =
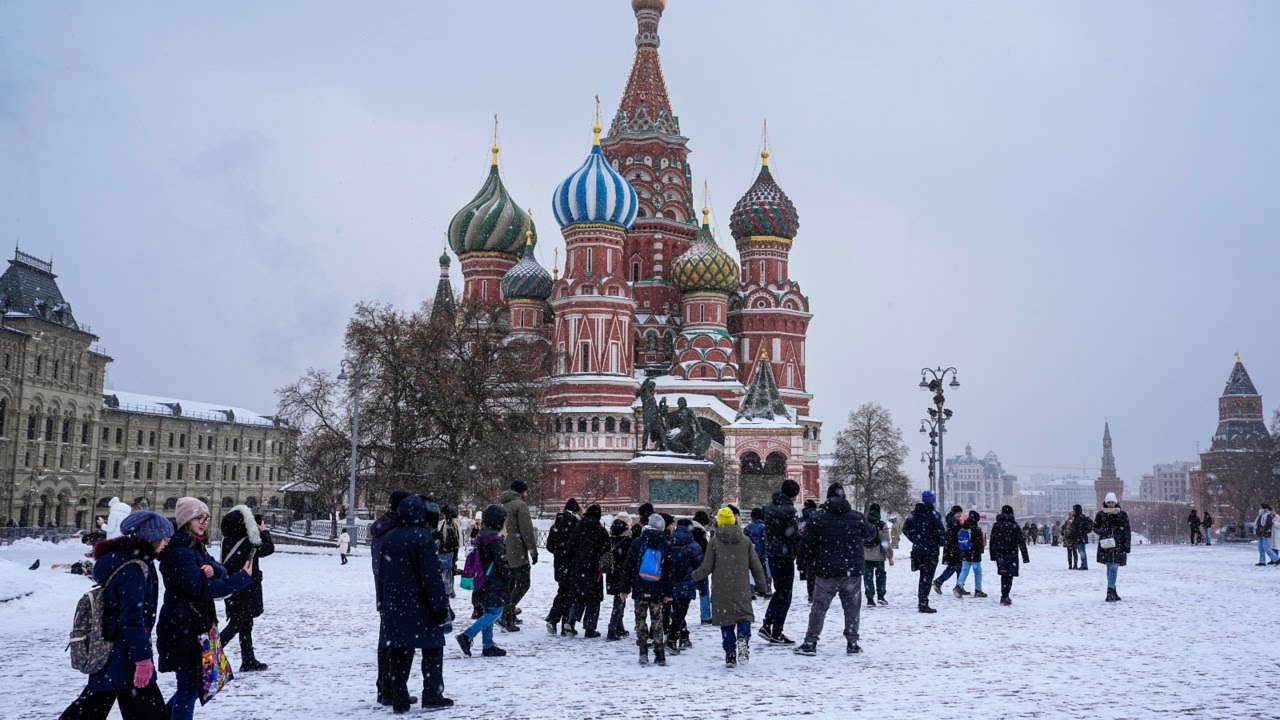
1196,636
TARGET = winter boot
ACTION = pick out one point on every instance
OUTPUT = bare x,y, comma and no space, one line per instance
1111,595
591,634
567,630
926,609
882,601
731,660
959,591
1004,600
937,586
852,648
685,643
744,649
464,642
979,594
551,628
807,648
644,653
431,704
660,656
871,601
613,635
673,646
494,651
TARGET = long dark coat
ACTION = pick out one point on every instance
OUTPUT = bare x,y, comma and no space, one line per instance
560,543
188,611
619,543
128,609
587,555
951,554
1113,523
240,537
415,601
1007,543
730,556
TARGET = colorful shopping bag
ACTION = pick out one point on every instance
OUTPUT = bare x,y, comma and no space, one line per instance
215,669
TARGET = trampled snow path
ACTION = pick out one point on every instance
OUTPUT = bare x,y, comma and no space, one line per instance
1195,637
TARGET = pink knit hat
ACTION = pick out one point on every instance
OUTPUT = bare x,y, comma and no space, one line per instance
189,507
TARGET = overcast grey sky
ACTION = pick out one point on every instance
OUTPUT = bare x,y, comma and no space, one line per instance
1072,202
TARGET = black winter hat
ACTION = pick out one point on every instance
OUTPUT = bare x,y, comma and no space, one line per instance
520,486
494,516
702,518
619,527
1008,510
572,505
684,523
644,511
836,490
811,504
670,520
396,497
594,512
757,514
790,488
875,507
955,509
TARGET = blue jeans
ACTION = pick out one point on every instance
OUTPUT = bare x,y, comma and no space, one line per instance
977,574
1264,550
182,704
1083,551
1113,569
951,570
731,642
704,600
484,626
1208,536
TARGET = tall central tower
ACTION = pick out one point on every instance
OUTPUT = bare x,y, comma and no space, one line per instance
1108,481
644,144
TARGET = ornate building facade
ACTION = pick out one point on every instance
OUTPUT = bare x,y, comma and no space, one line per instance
66,447
648,293
1238,469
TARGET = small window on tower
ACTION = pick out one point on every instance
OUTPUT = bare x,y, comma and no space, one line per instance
585,358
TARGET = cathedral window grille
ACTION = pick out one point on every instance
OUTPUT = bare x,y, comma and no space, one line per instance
170,439
102,469
590,261
182,440
119,436
168,471
197,471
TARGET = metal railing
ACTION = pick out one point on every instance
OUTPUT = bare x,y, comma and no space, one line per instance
9,534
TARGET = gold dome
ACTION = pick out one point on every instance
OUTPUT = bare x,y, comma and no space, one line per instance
638,5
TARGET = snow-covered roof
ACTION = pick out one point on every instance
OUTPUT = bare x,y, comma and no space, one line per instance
660,458
766,424
124,401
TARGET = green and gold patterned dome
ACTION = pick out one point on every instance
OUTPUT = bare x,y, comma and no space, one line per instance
705,267
491,222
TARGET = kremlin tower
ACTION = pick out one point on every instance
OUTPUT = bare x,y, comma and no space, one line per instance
1108,481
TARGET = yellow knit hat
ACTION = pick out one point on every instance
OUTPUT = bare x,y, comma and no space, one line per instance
725,517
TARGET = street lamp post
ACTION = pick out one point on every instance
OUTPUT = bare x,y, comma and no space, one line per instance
932,379
930,428
355,371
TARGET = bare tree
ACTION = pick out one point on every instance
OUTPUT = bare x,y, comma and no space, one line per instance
868,459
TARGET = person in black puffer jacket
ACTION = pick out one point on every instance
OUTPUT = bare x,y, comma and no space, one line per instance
924,529
951,556
619,543
781,536
1114,538
559,546
1007,543
588,550
686,556
802,562
834,539
495,592
378,535
244,536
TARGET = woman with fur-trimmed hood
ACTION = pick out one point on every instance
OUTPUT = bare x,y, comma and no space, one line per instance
244,535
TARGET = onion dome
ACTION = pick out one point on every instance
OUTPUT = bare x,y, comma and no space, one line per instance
527,280
491,222
595,193
765,209
704,267
444,258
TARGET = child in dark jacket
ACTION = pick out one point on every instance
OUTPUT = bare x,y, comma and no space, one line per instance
494,591
755,532
619,544
685,557
970,542
650,586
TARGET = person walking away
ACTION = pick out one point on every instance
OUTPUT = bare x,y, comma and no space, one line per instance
1263,525
781,534
927,534
558,545
835,539
950,551
877,551
619,546
244,537
522,550
415,607
686,556
1045,533
1193,524
588,556
1069,541
642,514
1057,532
1112,526
492,589
802,564
192,579
647,579
972,544
125,569
450,544
730,557
701,534
755,532
1007,544
344,545
1081,527
1207,524
377,536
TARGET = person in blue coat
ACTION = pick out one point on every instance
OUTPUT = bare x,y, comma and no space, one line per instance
755,532
927,534
685,557
192,579
415,606
125,566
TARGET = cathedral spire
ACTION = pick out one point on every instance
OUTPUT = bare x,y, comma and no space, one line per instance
762,401
645,106
1108,459
443,308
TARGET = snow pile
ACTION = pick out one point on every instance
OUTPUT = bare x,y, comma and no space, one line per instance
17,581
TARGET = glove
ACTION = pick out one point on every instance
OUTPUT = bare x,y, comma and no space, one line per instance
143,672
534,559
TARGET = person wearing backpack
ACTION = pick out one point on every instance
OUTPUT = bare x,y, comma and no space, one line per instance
782,532
243,537
558,545
619,545
1007,542
1081,526
971,542
686,556
125,570
1263,525
730,560
877,550
415,607
951,555
490,578
192,579
647,580
1114,538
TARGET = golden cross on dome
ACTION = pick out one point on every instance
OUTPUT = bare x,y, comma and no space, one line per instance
555,266
528,233
494,149
706,202
764,152
595,127
1238,357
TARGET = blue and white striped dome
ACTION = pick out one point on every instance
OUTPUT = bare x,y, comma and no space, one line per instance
595,193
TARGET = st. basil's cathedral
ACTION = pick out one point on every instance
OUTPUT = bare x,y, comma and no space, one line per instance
649,293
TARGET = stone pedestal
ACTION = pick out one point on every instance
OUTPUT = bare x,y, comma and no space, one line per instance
674,483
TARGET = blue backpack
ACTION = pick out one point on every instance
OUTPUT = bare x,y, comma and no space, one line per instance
651,564
965,540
